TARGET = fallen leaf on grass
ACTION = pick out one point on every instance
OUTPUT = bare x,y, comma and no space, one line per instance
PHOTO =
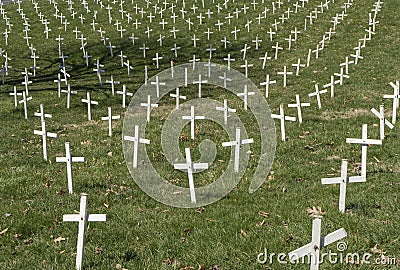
7,214
98,250
4,231
59,239
243,233
263,214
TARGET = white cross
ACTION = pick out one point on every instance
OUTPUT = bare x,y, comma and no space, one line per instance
225,109
317,243
281,116
237,143
298,105
245,96
99,71
157,83
395,97
382,120
229,60
157,59
25,100
277,48
284,73
68,160
69,92
190,167
82,218
346,64
199,82
58,81
148,105
298,65
192,118
267,82
109,118
89,102
331,85
209,65
124,94
43,132
225,78
113,83
365,142
15,94
317,93
194,60
177,97
343,180
246,67
136,140
341,75
265,58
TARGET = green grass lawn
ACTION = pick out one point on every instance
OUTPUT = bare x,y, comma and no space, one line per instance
141,233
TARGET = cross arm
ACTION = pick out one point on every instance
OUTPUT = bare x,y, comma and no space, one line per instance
97,217
247,141
200,166
328,181
61,159
333,237
357,179
78,159
146,141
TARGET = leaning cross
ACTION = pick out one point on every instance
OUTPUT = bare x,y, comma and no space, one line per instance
298,105
190,167
364,141
343,180
82,218
237,143
317,242
317,93
281,116
68,160
382,120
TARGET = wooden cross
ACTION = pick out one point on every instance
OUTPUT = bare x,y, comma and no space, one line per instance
58,81
82,218
43,132
190,167
225,109
209,65
341,75
395,97
298,65
284,73
298,105
277,48
136,140
317,93
148,105
365,142
237,143
192,118
177,97
124,94
89,102
343,180
25,100
68,160
113,83
245,96
382,121
267,83
346,64
199,82
109,118
317,243
15,94
194,60
281,116
157,83
144,48
128,67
